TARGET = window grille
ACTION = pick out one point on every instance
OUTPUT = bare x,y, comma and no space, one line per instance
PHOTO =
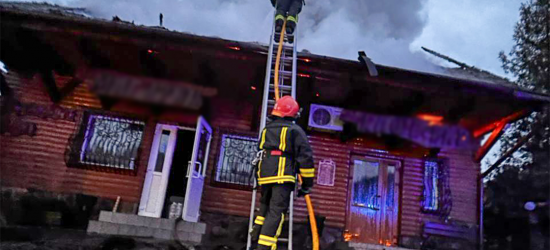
437,196
234,161
107,142
431,189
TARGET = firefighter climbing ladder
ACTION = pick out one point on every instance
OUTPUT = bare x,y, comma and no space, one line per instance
280,80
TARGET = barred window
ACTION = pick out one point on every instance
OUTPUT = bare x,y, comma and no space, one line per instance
437,197
106,141
234,162
431,185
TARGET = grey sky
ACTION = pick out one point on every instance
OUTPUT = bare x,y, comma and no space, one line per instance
472,31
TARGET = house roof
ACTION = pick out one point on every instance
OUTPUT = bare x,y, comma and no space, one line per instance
76,38
46,8
464,72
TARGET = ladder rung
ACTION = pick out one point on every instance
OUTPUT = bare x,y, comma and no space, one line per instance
282,240
286,47
284,92
284,87
282,73
285,41
284,60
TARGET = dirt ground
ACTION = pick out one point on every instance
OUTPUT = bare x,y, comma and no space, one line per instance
33,238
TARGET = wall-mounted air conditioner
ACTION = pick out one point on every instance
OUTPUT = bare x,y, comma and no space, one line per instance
323,117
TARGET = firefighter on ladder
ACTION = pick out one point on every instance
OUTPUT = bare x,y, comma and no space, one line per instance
289,10
285,147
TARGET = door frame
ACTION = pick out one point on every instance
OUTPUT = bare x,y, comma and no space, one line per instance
146,194
399,176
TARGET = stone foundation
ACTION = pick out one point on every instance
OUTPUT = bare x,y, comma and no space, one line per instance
439,243
132,225
231,232
33,207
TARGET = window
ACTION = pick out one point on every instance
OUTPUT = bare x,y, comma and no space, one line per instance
234,162
437,197
431,185
365,184
107,142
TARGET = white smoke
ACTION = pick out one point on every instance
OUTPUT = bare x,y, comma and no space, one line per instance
384,29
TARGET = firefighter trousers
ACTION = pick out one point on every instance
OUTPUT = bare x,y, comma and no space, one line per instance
292,7
274,205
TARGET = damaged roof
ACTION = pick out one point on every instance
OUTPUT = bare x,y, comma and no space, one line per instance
464,76
39,38
46,8
468,73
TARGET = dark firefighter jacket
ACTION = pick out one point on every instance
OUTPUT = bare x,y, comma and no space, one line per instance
287,150
274,2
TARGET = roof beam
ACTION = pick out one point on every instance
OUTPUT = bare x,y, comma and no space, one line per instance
508,119
509,153
56,94
70,87
497,132
49,82
498,129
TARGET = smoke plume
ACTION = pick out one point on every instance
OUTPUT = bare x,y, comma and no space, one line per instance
383,29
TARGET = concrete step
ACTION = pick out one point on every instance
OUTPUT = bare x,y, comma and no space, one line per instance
140,226
136,220
109,228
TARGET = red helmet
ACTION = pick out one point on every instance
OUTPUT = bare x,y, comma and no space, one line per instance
286,107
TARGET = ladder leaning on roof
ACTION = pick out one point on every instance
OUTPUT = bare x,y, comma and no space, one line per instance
280,80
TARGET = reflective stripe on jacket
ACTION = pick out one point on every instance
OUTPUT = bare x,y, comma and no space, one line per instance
287,150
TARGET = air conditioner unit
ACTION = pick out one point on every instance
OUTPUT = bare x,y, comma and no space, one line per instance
326,118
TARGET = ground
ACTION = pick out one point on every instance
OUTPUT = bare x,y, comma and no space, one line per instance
34,238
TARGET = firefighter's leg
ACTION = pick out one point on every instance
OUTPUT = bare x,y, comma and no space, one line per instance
292,19
280,15
273,223
264,208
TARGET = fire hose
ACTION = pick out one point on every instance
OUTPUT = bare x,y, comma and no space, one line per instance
311,213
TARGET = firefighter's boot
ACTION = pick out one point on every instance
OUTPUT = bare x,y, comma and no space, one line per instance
290,27
279,22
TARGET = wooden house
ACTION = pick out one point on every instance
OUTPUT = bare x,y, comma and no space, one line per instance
108,110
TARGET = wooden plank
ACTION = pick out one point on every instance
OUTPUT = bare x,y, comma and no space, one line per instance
455,231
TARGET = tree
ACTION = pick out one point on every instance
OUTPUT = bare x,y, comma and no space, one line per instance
526,177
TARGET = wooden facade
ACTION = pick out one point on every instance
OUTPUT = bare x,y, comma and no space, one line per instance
39,161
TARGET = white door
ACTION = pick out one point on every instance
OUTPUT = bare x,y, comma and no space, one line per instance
158,171
196,171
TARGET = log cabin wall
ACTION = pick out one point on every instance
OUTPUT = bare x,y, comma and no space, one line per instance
39,161
332,202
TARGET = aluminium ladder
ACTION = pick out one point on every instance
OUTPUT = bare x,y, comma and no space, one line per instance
287,86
